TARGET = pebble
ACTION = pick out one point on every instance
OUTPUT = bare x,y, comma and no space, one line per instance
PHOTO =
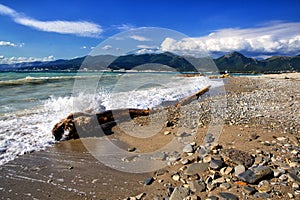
226,170
212,198
185,161
148,181
283,177
295,186
167,133
176,177
196,168
188,149
249,190
218,180
264,186
159,156
293,178
290,195
254,174
277,172
179,193
227,196
225,186
197,186
216,164
262,195
239,169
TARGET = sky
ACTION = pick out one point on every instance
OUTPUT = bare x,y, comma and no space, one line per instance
46,30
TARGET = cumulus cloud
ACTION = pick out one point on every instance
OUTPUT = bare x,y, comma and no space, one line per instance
140,38
10,44
13,60
278,38
79,28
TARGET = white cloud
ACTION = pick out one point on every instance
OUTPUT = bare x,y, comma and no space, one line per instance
282,38
13,60
140,38
107,47
124,27
79,28
8,44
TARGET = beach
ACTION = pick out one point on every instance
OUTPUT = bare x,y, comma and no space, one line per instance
261,121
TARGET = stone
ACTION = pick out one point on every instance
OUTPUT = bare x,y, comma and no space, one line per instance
277,172
295,186
167,133
281,139
131,149
179,193
293,178
237,157
159,156
176,177
226,170
225,186
216,164
188,149
206,159
185,161
212,198
255,174
227,196
140,196
264,186
239,169
249,190
148,181
196,168
218,180
161,172
290,195
192,197
262,195
197,186
283,177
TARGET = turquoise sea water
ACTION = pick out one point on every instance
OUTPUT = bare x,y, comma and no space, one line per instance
31,103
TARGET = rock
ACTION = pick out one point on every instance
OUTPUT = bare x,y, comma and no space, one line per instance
218,180
197,186
176,177
225,186
262,195
167,133
161,172
192,197
226,170
227,196
185,161
283,177
209,138
278,172
216,164
159,156
131,149
295,186
290,195
212,198
179,193
196,168
188,149
264,186
140,196
239,169
249,190
234,156
206,159
148,181
293,178
255,174
281,139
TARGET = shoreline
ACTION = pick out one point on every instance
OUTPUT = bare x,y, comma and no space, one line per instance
68,170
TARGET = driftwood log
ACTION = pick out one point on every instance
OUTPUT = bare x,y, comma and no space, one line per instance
89,123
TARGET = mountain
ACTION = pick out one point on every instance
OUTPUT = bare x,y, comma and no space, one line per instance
237,62
233,62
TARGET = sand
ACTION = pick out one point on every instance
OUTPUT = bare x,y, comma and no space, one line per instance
67,170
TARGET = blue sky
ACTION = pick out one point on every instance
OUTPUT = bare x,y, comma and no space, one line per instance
49,29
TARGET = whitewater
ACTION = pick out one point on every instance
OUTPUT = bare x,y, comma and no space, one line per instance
32,103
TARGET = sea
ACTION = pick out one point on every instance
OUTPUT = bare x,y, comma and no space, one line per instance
32,103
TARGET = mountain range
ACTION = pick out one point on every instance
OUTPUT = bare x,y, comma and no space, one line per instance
234,62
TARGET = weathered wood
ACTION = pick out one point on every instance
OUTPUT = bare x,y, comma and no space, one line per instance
85,121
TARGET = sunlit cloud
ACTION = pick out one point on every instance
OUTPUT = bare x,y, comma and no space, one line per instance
124,27
79,28
14,60
10,44
140,38
276,38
